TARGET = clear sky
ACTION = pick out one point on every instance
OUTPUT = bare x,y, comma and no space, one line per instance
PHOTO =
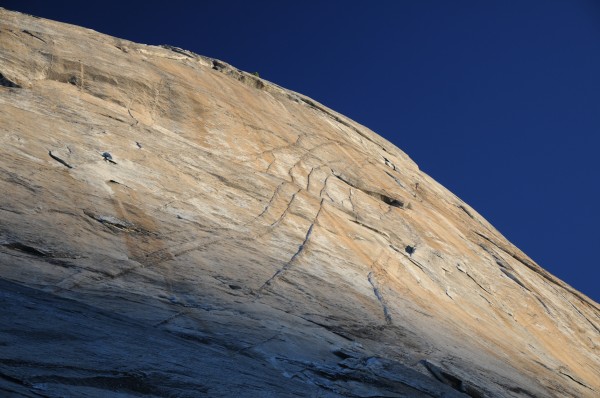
499,101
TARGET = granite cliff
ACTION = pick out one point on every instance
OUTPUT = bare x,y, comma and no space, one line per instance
172,226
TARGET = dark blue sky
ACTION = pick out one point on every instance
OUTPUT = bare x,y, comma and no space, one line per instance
499,101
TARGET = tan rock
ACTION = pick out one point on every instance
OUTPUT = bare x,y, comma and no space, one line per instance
246,241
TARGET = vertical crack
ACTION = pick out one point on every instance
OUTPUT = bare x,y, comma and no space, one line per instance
352,202
296,255
282,216
386,312
271,200
308,179
324,187
131,114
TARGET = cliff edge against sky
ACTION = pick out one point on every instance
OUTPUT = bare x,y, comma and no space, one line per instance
243,240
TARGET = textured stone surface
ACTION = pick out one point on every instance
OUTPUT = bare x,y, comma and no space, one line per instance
244,240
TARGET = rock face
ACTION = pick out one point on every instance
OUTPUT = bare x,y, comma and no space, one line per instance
172,226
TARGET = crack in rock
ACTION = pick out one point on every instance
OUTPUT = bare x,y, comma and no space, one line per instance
452,380
115,224
4,82
59,160
296,255
379,196
377,292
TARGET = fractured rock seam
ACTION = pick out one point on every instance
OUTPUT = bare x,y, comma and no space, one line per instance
377,292
296,255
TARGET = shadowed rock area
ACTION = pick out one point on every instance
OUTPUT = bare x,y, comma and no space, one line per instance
171,226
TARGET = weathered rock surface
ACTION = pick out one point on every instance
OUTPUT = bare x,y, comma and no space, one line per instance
244,240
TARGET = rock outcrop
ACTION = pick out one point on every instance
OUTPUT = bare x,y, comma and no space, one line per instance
172,226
